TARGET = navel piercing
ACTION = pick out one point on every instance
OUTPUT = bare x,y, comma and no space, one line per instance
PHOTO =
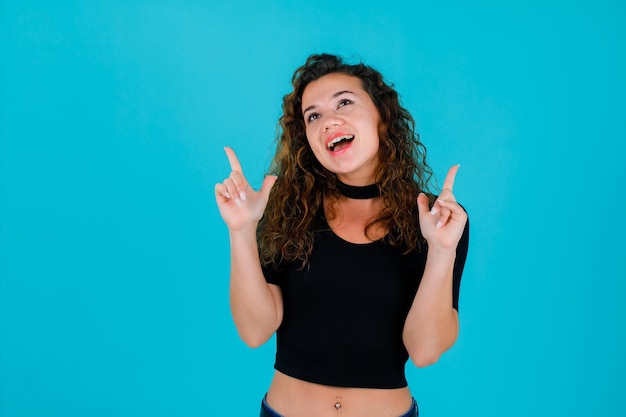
338,403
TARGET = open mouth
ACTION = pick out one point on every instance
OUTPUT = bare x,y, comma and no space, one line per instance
339,142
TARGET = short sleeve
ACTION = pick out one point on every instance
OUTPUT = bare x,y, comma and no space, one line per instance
273,274
459,264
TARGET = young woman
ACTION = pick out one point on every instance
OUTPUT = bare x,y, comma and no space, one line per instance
344,251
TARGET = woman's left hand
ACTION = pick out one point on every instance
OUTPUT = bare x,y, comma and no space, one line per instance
443,224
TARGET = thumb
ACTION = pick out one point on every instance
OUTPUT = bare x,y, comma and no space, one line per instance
266,187
422,204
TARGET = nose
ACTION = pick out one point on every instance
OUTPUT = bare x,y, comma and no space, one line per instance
332,121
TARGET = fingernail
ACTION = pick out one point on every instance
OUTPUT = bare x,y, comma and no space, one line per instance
439,224
242,195
225,194
238,201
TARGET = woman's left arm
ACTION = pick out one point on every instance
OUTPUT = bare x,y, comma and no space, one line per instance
432,324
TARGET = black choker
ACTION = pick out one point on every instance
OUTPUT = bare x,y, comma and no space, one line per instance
359,193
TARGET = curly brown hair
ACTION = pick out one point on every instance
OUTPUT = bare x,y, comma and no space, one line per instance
286,231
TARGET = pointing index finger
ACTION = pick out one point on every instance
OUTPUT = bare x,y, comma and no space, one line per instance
232,159
449,182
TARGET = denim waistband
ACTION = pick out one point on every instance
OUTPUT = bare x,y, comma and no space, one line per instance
267,411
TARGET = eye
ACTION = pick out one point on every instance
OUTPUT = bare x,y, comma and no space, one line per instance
312,117
344,102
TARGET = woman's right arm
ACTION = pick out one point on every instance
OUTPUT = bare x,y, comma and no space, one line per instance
256,306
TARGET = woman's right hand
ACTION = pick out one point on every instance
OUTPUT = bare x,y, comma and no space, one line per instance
240,206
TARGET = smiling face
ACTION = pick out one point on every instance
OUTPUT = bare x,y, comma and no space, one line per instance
341,123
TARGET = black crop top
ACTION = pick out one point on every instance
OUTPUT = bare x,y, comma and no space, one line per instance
344,312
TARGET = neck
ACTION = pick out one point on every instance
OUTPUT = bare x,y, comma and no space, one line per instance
358,192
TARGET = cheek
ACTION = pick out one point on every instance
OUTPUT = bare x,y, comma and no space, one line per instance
312,147
310,135
307,133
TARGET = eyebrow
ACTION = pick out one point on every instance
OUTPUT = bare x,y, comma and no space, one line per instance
337,94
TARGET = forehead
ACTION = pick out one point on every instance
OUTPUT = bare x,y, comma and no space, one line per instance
326,86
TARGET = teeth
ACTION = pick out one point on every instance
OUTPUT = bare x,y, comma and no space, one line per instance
335,141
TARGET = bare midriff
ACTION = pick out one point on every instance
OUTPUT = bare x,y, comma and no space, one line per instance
297,398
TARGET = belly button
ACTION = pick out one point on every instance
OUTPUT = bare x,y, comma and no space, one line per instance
338,403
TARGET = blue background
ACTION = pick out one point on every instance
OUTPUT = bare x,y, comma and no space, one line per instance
114,260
